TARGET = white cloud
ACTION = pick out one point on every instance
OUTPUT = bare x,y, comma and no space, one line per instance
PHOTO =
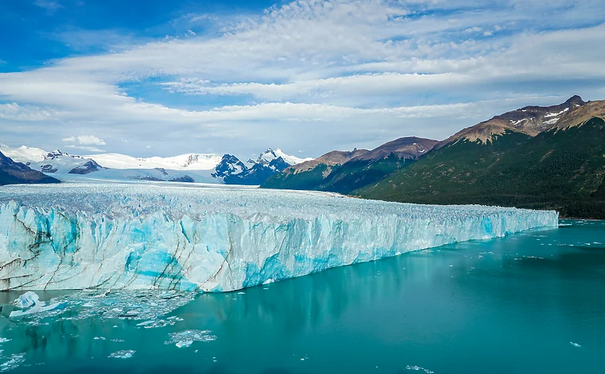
49,5
356,72
84,140
16,112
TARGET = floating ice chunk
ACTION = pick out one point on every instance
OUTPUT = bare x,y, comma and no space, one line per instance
4,340
27,300
126,353
575,345
185,338
184,343
146,323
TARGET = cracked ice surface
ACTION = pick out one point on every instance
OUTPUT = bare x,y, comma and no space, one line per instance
142,236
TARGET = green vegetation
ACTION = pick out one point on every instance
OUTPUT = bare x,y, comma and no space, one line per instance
302,180
356,174
562,170
343,178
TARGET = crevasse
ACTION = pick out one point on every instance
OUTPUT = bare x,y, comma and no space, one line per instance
133,236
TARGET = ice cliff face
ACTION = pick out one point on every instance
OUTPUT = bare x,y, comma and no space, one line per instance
75,236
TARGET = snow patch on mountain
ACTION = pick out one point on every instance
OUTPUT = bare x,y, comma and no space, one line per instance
556,114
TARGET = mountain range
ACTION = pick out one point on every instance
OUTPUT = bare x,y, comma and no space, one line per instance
533,157
344,172
203,168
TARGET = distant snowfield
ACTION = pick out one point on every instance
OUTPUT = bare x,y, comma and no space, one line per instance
182,162
194,237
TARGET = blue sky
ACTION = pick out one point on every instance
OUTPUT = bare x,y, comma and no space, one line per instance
170,77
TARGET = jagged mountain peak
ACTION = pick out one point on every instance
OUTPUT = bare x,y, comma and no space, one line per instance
271,154
575,100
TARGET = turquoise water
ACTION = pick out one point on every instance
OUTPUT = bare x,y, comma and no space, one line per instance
527,303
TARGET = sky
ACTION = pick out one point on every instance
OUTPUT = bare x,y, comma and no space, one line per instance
161,78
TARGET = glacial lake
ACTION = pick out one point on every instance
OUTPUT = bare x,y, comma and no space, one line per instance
528,303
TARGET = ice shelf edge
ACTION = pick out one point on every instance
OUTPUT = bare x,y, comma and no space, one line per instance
222,241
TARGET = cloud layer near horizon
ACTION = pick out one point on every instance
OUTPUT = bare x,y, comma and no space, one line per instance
311,76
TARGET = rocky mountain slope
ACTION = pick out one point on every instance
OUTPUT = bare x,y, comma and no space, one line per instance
311,174
346,171
535,157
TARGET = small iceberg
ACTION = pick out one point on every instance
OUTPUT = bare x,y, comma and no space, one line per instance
27,300
31,304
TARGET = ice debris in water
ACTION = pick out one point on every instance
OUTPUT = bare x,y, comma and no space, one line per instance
575,345
13,362
185,338
127,236
4,340
418,368
151,324
143,305
126,353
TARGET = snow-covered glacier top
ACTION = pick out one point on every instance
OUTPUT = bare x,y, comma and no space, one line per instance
134,236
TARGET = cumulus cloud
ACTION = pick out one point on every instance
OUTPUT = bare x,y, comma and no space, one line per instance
84,140
329,74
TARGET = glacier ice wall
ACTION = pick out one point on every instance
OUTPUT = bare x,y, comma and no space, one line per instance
139,236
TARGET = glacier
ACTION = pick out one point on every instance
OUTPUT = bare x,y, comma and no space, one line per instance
211,239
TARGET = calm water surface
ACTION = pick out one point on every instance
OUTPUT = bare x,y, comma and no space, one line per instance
527,303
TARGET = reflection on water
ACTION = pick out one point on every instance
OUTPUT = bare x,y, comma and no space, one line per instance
526,303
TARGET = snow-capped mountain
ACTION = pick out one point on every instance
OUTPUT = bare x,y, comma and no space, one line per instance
233,171
54,162
269,155
12,172
191,167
